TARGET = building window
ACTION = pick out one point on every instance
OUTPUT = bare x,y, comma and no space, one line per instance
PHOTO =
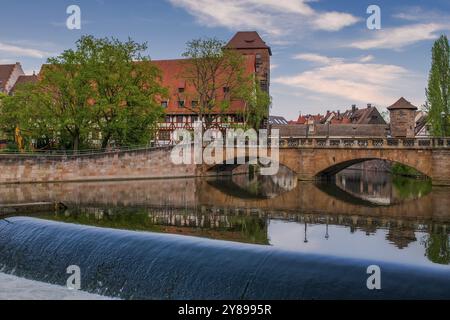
180,104
164,135
264,85
180,119
194,103
180,90
168,119
164,104
194,118
226,92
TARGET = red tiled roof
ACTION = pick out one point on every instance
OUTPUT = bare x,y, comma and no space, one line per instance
172,78
247,40
24,79
402,103
5,72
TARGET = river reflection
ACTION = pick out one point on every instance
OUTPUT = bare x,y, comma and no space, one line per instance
360,215
381,188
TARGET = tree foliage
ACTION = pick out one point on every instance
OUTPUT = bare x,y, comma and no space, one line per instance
438,91
219,77
103,88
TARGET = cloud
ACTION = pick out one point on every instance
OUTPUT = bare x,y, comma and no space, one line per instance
353,81
367,58
334,21
317,58
20,51
400,37
419,14
274,17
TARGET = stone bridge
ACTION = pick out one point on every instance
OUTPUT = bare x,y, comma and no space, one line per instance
309,158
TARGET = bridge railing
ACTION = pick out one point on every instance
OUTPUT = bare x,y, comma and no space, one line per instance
365,143
84,152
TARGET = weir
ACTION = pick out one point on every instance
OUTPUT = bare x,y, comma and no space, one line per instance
138,265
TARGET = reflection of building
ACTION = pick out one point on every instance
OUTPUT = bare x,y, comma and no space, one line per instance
242,228
401,237
367,185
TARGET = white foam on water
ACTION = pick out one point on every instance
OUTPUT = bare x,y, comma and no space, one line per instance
14,288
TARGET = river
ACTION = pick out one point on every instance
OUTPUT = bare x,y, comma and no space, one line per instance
368,215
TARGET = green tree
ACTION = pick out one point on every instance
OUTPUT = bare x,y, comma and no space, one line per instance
102,86
219,76
257,105
437,248
438,91
126,89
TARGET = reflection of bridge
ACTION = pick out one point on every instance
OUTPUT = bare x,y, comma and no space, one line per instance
307,157
201,195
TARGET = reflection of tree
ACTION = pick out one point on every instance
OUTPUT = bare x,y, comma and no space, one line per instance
407,188
248,229
253,229
437,248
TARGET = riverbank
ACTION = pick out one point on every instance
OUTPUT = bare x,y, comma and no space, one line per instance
14,288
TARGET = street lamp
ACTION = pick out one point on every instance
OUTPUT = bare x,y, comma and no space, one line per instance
306,230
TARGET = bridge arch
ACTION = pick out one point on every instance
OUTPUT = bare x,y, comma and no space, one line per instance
283,161
336,167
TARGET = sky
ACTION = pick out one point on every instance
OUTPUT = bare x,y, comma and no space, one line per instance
324,55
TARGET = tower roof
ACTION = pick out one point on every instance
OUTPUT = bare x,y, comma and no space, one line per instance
248,40
402,103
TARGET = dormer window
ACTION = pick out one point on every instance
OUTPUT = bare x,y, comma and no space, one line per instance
180,90
164,104
180,104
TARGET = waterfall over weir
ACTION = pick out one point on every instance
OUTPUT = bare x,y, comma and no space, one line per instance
138,265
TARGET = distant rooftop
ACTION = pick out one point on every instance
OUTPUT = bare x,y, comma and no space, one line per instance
402,103
248,40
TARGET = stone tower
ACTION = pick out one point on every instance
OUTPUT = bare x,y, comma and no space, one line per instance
250,43
403,119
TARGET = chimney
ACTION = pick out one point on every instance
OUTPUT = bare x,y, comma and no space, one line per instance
353,108
369,105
